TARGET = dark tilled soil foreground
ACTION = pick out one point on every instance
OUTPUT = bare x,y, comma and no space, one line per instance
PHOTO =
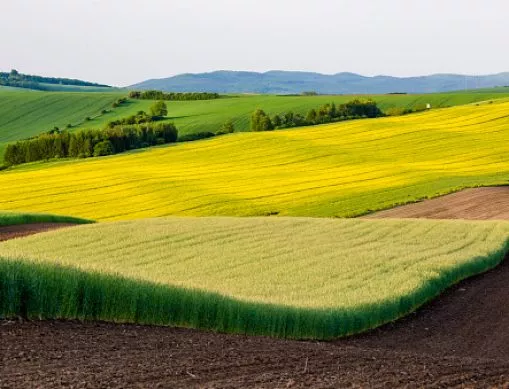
459,340
17,231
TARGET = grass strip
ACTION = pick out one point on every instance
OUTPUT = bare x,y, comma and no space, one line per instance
15,218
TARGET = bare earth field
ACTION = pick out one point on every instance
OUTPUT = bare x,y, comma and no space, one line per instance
474,204
458,340
17,231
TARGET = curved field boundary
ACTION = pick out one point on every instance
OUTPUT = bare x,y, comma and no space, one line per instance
338,170
459,339
45,291
490,203
21,230
17,218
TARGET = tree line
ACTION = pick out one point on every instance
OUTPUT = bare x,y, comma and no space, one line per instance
89,143
16,79
327,113
173,96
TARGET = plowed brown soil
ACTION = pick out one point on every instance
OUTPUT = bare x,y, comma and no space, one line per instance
473,204
16,231
459,340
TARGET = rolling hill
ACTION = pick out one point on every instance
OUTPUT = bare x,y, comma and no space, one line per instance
286,277
342,170
209,115
284,82
26,113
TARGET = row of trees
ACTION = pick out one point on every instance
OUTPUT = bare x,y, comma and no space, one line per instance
89,143
158,111
173,96
140,118
328,113
16,79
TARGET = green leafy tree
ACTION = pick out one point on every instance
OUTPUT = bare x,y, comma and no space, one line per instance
311,116
73,146
103,148
227,127
159,109
11,155
260,121
276,121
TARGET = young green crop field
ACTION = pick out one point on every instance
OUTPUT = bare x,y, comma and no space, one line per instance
28,113
342,170
209,115
25,113
289,277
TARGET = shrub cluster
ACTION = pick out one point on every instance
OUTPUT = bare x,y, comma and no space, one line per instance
172,96
227,128
196,136
139,118
328,113
119,102
89,143
399,111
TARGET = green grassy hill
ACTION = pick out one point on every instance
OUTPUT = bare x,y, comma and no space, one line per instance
287,277
25,113
343,169
209,115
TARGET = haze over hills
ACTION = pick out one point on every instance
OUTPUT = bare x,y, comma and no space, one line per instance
290,82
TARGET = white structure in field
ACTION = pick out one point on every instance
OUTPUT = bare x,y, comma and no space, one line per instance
428,106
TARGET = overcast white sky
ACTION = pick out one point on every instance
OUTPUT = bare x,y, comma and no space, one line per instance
121,42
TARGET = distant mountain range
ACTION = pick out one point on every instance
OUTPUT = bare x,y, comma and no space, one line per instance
285,82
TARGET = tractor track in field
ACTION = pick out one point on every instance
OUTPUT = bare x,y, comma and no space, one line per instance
461,339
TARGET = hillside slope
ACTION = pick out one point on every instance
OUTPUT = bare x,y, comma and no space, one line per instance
297,82
209,115
341,170
286,277
27,113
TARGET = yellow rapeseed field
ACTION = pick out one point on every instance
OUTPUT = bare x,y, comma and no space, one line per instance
340,170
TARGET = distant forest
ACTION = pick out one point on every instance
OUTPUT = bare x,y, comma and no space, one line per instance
181,96
19,80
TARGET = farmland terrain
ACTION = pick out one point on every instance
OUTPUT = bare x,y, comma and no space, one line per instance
457,340
301,278
470,204
343,169
208,115
26,113
20,230
15,225
276,276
